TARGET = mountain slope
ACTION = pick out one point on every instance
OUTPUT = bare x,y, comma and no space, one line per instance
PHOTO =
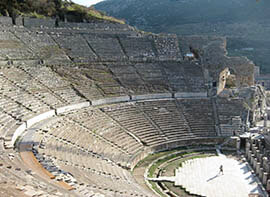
52,8
246,24
159,14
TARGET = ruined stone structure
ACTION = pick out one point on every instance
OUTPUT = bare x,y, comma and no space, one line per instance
82,104
257,154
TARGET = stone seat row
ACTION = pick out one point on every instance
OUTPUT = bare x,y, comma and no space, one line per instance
100,124
68,153
135,121
89,141
80,47
95,172
18,178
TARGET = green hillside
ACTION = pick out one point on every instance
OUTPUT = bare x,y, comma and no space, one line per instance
246,24
52,8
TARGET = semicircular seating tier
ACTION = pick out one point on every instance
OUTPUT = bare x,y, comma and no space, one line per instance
91,100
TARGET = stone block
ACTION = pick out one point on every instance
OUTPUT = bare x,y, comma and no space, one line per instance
110,100
19,21
265,164
268,185
247,149
238,142
190,94
4,20
18,132
39,118
261,174
249,156
260,158
3,63
257,154
72,107
251,160
258,166
37,22
151,96
265,178
254,164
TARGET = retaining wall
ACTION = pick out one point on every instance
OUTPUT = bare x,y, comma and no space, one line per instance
18,132
151,96
39,118
172,145
72,107
110,100
190,94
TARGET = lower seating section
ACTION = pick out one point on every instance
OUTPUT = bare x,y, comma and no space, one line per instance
85,166
167,117
130,117
91,148
96,144
77,134
227,108
97,122
16,179
199,114
181,119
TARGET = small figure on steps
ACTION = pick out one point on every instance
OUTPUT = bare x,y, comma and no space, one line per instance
221,169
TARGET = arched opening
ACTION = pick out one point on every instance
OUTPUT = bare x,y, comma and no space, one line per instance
230,79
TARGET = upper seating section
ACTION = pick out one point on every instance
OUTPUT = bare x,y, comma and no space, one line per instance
141,78
138,48
100,28
11,48
92,81
75,46
41,44
89,42
107,48
167,47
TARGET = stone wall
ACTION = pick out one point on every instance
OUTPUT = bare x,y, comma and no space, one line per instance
38,23
257,155
222,80
173,145
213,56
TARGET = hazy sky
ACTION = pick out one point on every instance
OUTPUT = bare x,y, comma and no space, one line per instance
86,2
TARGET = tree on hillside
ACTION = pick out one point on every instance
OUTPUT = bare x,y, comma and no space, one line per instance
9,8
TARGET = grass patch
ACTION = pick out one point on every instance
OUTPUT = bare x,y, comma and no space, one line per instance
154,187
166,165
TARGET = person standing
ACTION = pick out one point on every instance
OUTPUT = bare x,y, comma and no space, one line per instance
221,169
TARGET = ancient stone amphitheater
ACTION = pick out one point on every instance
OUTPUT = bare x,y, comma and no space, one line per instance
82,104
